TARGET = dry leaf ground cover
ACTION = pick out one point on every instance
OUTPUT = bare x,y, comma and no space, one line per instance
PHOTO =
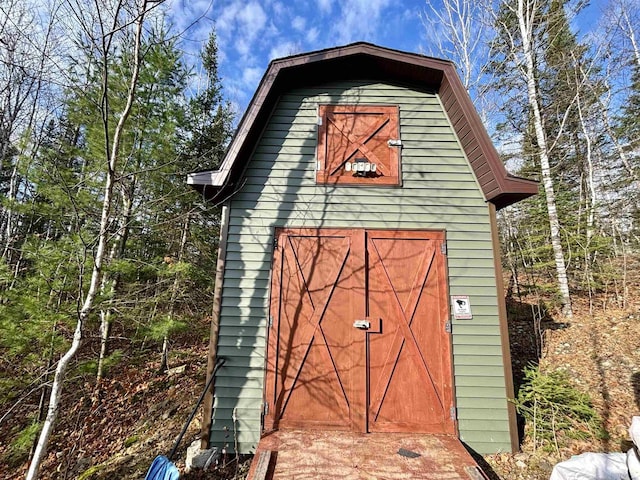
599,349
140,412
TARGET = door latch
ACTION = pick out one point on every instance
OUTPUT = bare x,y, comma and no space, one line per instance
362,324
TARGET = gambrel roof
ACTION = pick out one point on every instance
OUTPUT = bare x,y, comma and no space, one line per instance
367,61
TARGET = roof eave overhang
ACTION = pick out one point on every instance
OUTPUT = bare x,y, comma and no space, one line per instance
359,60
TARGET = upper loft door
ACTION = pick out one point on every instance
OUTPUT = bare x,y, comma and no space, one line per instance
357,338
358,145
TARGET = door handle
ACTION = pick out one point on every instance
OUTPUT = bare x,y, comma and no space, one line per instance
362,324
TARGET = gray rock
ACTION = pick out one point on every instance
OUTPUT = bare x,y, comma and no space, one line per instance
200,459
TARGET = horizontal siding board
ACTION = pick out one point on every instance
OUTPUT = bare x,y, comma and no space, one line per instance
488,403
487,443
235,341
260,292
245,283
469,381
244,347
236,402
266,209
467,230
240,374
455,242
479,340
467,206
302,166
251,302
488,360
242,274
488,320
439,191
272,195
253,259
481,414
409,189
252,317
247,414
473,329
238,382
342,216
479,425
232,392
427,136
486,366
426,117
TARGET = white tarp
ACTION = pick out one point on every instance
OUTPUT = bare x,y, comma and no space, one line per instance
603,466
592,466
633,461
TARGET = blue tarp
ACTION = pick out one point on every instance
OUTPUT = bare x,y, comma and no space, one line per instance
162,469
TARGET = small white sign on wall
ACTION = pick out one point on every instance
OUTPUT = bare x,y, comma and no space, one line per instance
461,307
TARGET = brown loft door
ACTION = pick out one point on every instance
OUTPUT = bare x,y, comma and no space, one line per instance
351,134
358,335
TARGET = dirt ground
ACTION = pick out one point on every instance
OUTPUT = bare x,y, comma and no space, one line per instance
141,412
599,349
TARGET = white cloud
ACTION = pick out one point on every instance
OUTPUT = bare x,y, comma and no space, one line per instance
325,6
225,20
360,20
251,76
312,35
278,9
284,49
240,24
253,18
271,30
299,23
243,46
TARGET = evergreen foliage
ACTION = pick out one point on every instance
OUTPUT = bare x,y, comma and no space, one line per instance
159,271
554,410
570,90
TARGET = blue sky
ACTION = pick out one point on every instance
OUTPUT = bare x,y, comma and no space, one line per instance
251,33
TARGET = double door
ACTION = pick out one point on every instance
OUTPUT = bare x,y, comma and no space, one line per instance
357,337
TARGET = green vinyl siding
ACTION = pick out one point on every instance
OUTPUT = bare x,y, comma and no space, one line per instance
438,191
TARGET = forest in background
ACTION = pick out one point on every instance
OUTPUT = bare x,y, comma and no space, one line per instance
107,254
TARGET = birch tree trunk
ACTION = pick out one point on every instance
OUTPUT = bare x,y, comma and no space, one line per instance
103,235
526,17
116,252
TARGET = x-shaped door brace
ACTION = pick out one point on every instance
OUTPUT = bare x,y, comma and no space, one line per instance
359,145
310,328
403,336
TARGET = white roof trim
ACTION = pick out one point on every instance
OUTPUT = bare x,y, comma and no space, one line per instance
214,178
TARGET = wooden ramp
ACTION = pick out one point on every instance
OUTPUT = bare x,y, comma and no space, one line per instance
304,454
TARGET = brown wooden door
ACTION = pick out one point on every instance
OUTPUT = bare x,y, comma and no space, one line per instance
357,338
349,133
409,358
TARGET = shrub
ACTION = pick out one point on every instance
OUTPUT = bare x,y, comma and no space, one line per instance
554,410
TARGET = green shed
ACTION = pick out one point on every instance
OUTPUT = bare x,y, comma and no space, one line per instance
358,284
